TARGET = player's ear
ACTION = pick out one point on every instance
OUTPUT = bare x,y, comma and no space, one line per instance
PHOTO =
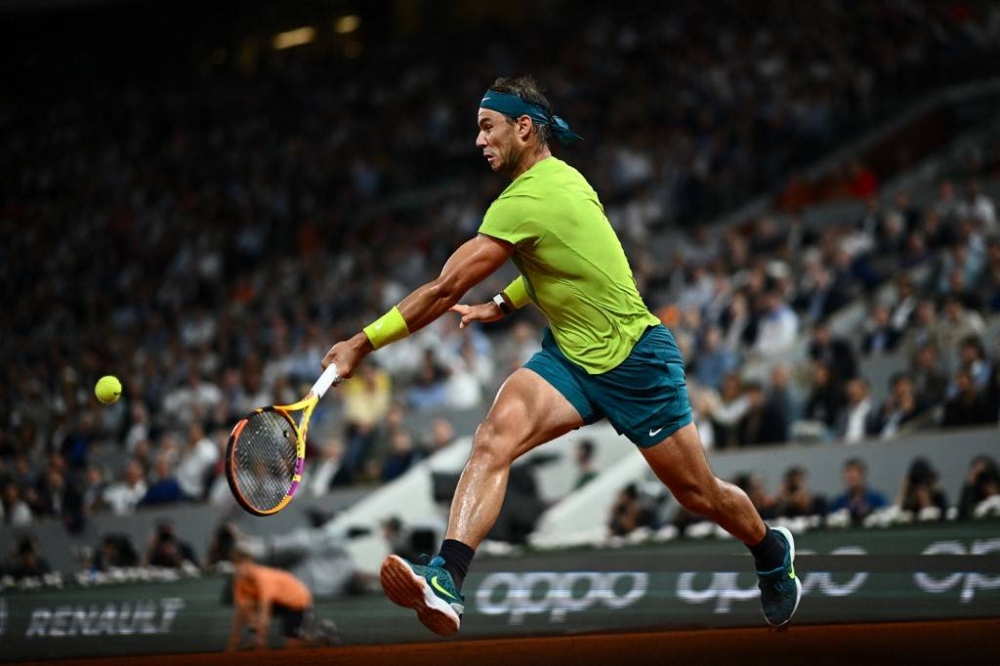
524,127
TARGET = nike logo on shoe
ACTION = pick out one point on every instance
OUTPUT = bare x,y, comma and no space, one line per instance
437,586
654,433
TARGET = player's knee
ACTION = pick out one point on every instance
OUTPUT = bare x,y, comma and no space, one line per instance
702,500
494,442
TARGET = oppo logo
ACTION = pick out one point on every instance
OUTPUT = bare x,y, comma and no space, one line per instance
558,593
723,588
967,581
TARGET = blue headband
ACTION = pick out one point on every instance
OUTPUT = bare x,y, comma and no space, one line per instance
513,106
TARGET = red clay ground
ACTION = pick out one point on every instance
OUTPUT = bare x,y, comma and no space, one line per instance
959,642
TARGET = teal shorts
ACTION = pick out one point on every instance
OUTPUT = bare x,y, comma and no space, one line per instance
644,398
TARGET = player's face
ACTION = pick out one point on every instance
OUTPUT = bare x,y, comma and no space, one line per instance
496,139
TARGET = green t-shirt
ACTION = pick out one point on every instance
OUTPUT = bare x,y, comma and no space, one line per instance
572,262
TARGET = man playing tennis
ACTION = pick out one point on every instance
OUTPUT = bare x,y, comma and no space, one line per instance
604,356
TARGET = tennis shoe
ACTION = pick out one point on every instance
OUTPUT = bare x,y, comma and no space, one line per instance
780,589
426,588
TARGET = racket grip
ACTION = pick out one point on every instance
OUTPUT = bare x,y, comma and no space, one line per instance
325,381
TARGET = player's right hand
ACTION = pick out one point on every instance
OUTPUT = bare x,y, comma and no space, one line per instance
484,313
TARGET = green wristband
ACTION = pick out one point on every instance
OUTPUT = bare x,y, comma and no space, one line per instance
517,292
388,328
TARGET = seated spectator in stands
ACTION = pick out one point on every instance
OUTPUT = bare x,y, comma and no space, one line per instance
628,513
115,551
166,489
429,389
753,486
904,305
982,482
16,511
777,328
898,409
56,498
166,550
782,396
76,443
881,337
920,493
761,423
979,207
197,457
924,328
27,561
836,353
92,493
584,464
124,496
329,470
728,412
858,499
972,357
930,380
826,402
713,360
221,547
969,405
401,458
857,411
366,397
957,324
442,435
794,498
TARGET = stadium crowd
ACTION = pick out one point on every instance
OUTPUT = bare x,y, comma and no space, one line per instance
208,241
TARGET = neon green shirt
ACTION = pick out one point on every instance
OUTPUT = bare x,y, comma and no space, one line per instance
573,263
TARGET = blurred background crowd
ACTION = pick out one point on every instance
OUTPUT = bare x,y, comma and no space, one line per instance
208,234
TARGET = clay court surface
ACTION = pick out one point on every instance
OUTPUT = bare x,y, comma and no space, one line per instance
890,644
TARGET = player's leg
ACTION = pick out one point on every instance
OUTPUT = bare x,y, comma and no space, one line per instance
528,411
680,462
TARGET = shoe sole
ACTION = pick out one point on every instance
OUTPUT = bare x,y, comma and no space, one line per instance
798,584
407,589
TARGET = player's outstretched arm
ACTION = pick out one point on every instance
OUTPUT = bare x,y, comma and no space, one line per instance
469,265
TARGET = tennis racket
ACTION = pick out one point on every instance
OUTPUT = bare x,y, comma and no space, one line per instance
267,451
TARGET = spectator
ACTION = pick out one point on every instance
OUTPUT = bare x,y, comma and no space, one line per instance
957,324
920,493
628,513
754,487
729,411
166,550
584,464
930,381
969,406
881,337
713,361
761,424
794,498
778,326
836,353
366,401
982,482
196,460
972,357
857,412
16,511
125,495
28,561
442,435
329,471
858,499
92,494
897,410
402,457
826,402
166,489
115,551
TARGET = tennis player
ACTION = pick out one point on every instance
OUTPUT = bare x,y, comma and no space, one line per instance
259,592
604,355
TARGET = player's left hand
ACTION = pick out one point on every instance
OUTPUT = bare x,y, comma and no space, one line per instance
484,313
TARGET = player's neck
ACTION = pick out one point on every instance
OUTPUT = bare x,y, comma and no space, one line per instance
530,158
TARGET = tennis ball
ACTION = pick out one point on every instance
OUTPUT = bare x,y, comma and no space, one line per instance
108,389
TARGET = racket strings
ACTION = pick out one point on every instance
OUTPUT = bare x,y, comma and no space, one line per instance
264,459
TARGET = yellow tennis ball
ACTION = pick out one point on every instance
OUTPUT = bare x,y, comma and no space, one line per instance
108,389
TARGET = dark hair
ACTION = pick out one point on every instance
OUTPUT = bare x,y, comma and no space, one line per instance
586,448
528,89
856,462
